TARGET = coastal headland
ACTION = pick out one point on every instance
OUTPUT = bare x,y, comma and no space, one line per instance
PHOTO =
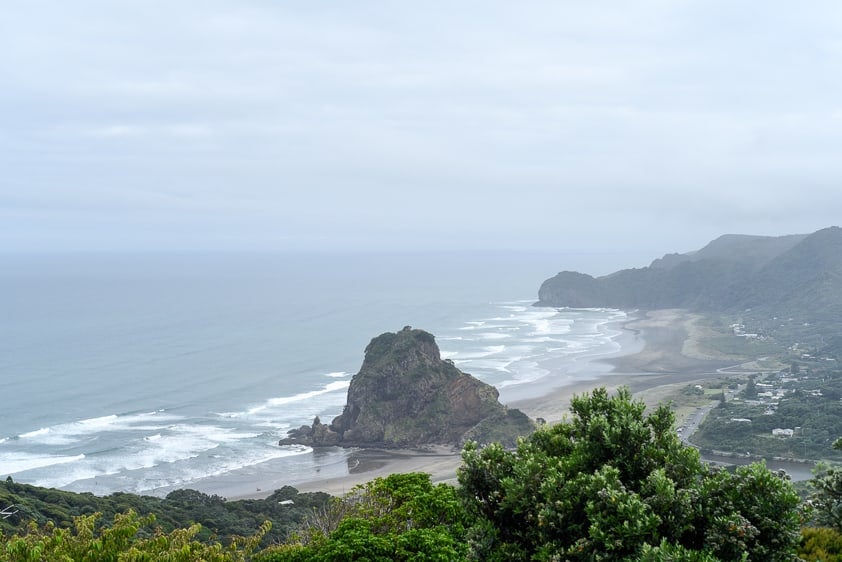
659,353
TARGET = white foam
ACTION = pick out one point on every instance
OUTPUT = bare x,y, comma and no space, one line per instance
48,436
485,326
490,364
36,433
282,400
111,478
525,372
545,323
493,336
178,443
220,465
21,462
173,444
98,423
542,339
468,355
273,424
211,433
541,326
338,375
67,433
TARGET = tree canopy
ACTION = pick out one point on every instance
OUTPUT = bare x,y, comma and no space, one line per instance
614,483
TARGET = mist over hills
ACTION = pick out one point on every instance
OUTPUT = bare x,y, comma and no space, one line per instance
799,276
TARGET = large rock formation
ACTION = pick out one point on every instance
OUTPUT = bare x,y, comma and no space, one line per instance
405,395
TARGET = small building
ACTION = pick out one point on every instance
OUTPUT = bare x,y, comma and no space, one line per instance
778,432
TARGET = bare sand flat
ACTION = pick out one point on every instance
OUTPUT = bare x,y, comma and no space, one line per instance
665,356
439,462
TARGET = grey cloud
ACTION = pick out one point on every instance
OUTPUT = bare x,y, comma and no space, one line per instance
472,125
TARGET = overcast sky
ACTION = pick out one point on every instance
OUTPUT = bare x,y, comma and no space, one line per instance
645,127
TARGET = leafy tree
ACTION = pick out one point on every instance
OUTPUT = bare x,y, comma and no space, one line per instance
402,517
820,543
668,552
751,511
219,519
827,499
613,483
122,541
750,391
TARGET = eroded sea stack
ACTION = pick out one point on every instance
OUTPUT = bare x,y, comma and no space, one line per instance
405,395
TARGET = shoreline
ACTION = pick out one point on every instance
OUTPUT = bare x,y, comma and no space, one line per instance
658,351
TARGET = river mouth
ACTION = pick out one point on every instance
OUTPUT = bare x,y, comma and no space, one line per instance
797,471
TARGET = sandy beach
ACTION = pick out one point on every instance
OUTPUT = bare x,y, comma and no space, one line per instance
659,352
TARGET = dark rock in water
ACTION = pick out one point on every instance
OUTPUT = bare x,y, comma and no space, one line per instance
405,395
311,434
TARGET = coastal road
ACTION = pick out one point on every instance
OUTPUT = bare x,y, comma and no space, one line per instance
694,421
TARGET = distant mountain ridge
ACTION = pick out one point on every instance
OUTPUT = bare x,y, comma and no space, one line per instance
797,275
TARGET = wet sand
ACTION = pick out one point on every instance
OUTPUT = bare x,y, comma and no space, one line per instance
659,350
440,462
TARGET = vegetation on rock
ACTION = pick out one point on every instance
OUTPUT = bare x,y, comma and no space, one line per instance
405,395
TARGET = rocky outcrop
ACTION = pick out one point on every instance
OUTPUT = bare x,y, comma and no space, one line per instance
405,395
312,434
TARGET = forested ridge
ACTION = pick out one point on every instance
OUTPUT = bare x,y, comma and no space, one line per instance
798,276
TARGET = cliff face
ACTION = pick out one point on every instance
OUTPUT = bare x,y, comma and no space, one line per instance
405,395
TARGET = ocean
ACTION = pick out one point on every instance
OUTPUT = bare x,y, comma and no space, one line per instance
144,373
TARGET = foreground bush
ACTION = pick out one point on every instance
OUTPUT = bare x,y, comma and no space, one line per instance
613,483
402,517
820,544
128,539
220,519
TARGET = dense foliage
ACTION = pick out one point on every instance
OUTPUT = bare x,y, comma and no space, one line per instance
827,499
129,538
820,544
402,517
218,518
613,483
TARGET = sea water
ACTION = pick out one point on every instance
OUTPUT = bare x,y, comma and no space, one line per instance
143,373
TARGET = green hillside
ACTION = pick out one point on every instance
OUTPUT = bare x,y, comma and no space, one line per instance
798,276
